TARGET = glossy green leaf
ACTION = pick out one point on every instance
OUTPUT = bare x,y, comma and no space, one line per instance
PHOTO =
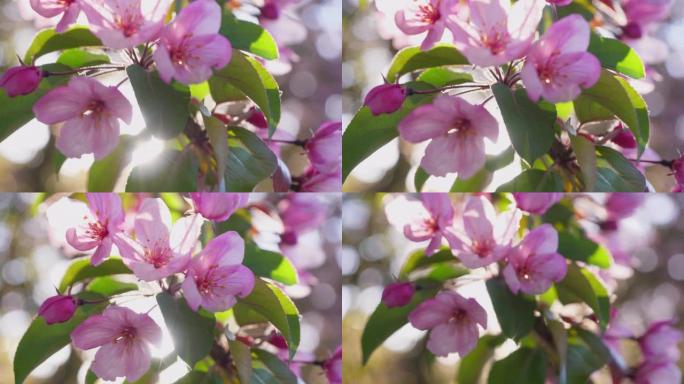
526,365
420,178
249,37
616,55
586,354
170,171
269,264
192,332
242,356
534,180
281,372
585,153
514,312
575,245
270,302
250,161
218,138
48,40
104,173
82,269
529,124
475,183
163,106
78,58
472,365
440,77
108,286
617,174
414,58
581,286
418,260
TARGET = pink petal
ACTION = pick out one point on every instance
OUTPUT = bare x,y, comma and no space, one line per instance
410,26
147,329
530,79
438,204
102,252
235,281
165,67
476,312
190,292
569,34
185,233
77,137
47,8
541,240
477,219
433,36
511,277
224,250
214,50
78,239
110,361
423,123
153,222
69,17
429,314
201,17
524,18
94,332
454,153
59,105
483,121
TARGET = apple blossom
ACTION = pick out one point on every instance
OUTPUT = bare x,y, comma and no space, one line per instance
433,223
620,205
314,180
661,341
452,321
216,275
21,80
558,66
536,203
190,47
51,8
457,130
90,111
58,309
385,98
100,228
658,372
426,16
123,337
534,264
324,148
643,12
397,294
216,206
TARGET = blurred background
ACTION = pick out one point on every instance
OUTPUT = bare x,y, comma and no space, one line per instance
308,74
373,250
371,39
32,264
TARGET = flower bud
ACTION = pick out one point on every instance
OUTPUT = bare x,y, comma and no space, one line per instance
217,206
257,118
277,340
58,309
270,11
397,294
386,98
536,203
21,80
624,137
559,3
632,31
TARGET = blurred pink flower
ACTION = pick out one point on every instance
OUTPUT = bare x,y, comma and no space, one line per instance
488,236
558,66
678,172
216,276
536,203
658,372
620,205
534,264
434,223
160,249
457,129
123,337
190,47
661,341
387,27
314,180
301,213
496,32
58,309
397,294
90,112
21,80
385,98
324,148
643,12
452,321
100,228
216,206
333,367
126,23
51,8
426,16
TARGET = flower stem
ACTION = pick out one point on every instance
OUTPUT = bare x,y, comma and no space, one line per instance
664,163
300,143
445,88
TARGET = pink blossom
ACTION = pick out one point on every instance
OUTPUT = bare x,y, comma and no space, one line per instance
282,178
457,129
658,372
488,236
661,341
536,203
496,32
560,3
558,66
160,249
100,228
324,148
452,321
535,264
123,337
314,180
333,367
678,172
397,294
301,213
218,206
190,47
426,16
385,98
434,224
51,8
216,276
621,205
125,23
58,309
90,112
21,80
644,12
624,137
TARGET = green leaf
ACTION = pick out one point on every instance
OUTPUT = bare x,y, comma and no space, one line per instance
104,173
533,180
476,183
586,355
42,341
218,138
199,377
262,376
250,161
281,372
617,174
413,58
440,77
616,95
77,58
560,341
192,332
82,269
242,356
616,55
418,260
248,36
581,286
383,322
48,40
526,365
514,312
573,244
420,178
529,124
585,153
471,366
588,111
170,171
366,133
250,77
164,107
270,302
108,286
503,159
269,264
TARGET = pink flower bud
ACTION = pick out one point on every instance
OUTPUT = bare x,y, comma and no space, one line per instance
257,118
624,137
58,309
536,203
270,11
277,340
632,31
217,206
397,294
678,172
385,98
21,80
